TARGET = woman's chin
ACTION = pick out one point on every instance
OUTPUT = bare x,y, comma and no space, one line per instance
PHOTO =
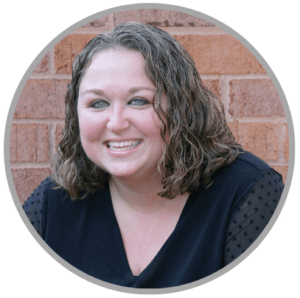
123,172
134,174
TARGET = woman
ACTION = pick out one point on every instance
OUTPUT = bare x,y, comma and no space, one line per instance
149,189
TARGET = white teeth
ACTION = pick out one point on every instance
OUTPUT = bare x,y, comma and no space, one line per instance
123,145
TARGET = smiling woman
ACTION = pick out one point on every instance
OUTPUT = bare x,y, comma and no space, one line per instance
119,129
149,188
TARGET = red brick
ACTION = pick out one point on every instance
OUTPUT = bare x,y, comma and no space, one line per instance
258,138
42,66
58,134
220,54
213,86
233,126
67,49
27,180
282,170
101,22
254,98
160,18
42,99
286,143
13,144
29,143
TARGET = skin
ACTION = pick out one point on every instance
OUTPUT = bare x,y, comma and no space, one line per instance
115,105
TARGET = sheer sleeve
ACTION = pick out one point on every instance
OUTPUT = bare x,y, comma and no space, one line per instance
33,206
252,214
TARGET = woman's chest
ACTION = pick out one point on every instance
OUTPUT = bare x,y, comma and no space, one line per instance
142,243
116,246
145,231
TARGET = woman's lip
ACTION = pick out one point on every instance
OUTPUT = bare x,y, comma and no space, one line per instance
121,140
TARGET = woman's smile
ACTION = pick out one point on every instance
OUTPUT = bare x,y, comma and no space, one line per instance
119,129
123,145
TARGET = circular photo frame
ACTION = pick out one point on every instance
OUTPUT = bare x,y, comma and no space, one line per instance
255,108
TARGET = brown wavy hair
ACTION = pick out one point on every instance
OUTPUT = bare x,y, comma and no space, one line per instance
198,138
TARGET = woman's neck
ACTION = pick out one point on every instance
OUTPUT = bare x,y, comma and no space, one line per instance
140,195
140,205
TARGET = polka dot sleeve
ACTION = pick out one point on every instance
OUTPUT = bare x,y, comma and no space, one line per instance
33,206
252,215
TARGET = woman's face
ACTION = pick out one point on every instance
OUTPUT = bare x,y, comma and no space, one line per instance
119,129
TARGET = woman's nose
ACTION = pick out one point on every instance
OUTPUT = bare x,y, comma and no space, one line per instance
117,121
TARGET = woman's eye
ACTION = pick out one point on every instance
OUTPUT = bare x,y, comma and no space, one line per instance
99,104
139,102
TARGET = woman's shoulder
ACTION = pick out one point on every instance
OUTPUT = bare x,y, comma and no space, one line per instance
250,160
247,166
245,174
39,192
50,190
47,183
33,206
47,200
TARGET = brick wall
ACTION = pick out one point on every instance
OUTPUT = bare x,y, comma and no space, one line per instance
253,108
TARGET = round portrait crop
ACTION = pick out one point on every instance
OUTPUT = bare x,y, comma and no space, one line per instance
140,173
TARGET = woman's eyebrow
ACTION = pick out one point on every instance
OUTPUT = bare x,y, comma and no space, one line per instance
130,91
136,89
93,91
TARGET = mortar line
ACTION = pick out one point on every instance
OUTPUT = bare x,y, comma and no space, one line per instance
30,165
38,121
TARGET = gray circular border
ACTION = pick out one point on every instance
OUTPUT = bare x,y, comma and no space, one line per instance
192,13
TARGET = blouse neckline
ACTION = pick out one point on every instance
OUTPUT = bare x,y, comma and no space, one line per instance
191,198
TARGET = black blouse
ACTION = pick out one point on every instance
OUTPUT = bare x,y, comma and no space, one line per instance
217,224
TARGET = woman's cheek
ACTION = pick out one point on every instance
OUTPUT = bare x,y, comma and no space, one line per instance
90,128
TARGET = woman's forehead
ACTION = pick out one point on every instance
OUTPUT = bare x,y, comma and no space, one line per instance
120,71
117,67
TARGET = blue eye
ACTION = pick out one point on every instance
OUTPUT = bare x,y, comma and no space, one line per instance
99,104
139,102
